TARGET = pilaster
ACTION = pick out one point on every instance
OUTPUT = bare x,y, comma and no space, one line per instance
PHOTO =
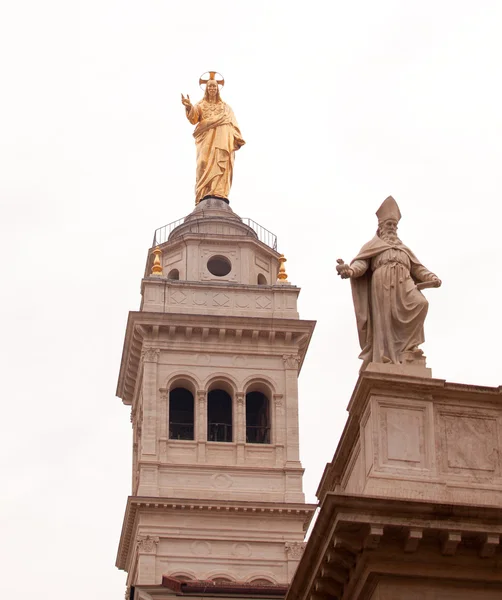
291,363
200,419
240,426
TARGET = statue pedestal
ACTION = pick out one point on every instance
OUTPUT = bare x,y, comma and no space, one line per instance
411,502
413,370
411,436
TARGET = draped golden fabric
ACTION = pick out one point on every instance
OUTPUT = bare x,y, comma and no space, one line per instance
217,137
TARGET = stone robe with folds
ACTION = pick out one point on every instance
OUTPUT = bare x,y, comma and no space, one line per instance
217,137
390,310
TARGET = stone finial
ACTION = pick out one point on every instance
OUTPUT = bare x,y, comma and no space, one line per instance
157,266
282,276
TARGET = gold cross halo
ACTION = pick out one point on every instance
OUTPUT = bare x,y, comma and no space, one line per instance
205,77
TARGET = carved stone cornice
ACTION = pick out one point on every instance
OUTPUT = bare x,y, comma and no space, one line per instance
282,335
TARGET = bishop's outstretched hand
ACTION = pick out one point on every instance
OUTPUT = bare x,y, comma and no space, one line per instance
343,269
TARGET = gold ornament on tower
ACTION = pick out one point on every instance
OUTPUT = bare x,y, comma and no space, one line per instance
282,276
157,266
217,137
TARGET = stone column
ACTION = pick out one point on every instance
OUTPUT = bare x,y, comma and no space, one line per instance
147,551
291,362
200,424
240,426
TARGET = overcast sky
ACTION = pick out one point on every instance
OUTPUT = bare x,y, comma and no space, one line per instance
340,103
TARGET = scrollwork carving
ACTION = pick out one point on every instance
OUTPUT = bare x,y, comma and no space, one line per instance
150,354
147,544
278,399
295,550
291,361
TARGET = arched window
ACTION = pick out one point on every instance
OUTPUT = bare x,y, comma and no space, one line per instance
261,581
219,416
173,274
257,418
262,280
181,414
222,580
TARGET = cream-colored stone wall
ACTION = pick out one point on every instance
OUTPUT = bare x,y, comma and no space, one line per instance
428,446
210,298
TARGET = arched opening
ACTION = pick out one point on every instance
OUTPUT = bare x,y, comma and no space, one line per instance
181,414
261,581
257,418
262,280
173,274
222,580
219,416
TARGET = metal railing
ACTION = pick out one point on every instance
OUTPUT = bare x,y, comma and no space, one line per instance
219,432
181,431
257,434
264,235
162,234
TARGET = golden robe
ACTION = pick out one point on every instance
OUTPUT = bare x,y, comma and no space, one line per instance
217,137
390,310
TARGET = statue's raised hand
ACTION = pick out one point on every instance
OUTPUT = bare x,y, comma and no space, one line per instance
343,269
186,101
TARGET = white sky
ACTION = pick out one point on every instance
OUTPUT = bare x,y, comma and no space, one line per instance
340,103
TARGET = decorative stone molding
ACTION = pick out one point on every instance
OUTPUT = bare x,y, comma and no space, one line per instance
201,396
147,544
163,394
239,396
291,361
294,550
150,355
278,400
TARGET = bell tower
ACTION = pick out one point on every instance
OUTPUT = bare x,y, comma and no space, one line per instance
209,367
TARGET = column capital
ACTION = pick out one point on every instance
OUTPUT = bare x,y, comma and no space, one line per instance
201,395
163,393
294,550
239,396
150,355
147,544
291,361
278,399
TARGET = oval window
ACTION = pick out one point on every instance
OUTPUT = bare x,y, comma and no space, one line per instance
219,266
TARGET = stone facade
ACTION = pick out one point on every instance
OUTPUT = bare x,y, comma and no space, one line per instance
410,504
201,508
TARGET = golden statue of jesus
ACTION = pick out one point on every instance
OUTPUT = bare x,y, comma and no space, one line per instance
217,137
